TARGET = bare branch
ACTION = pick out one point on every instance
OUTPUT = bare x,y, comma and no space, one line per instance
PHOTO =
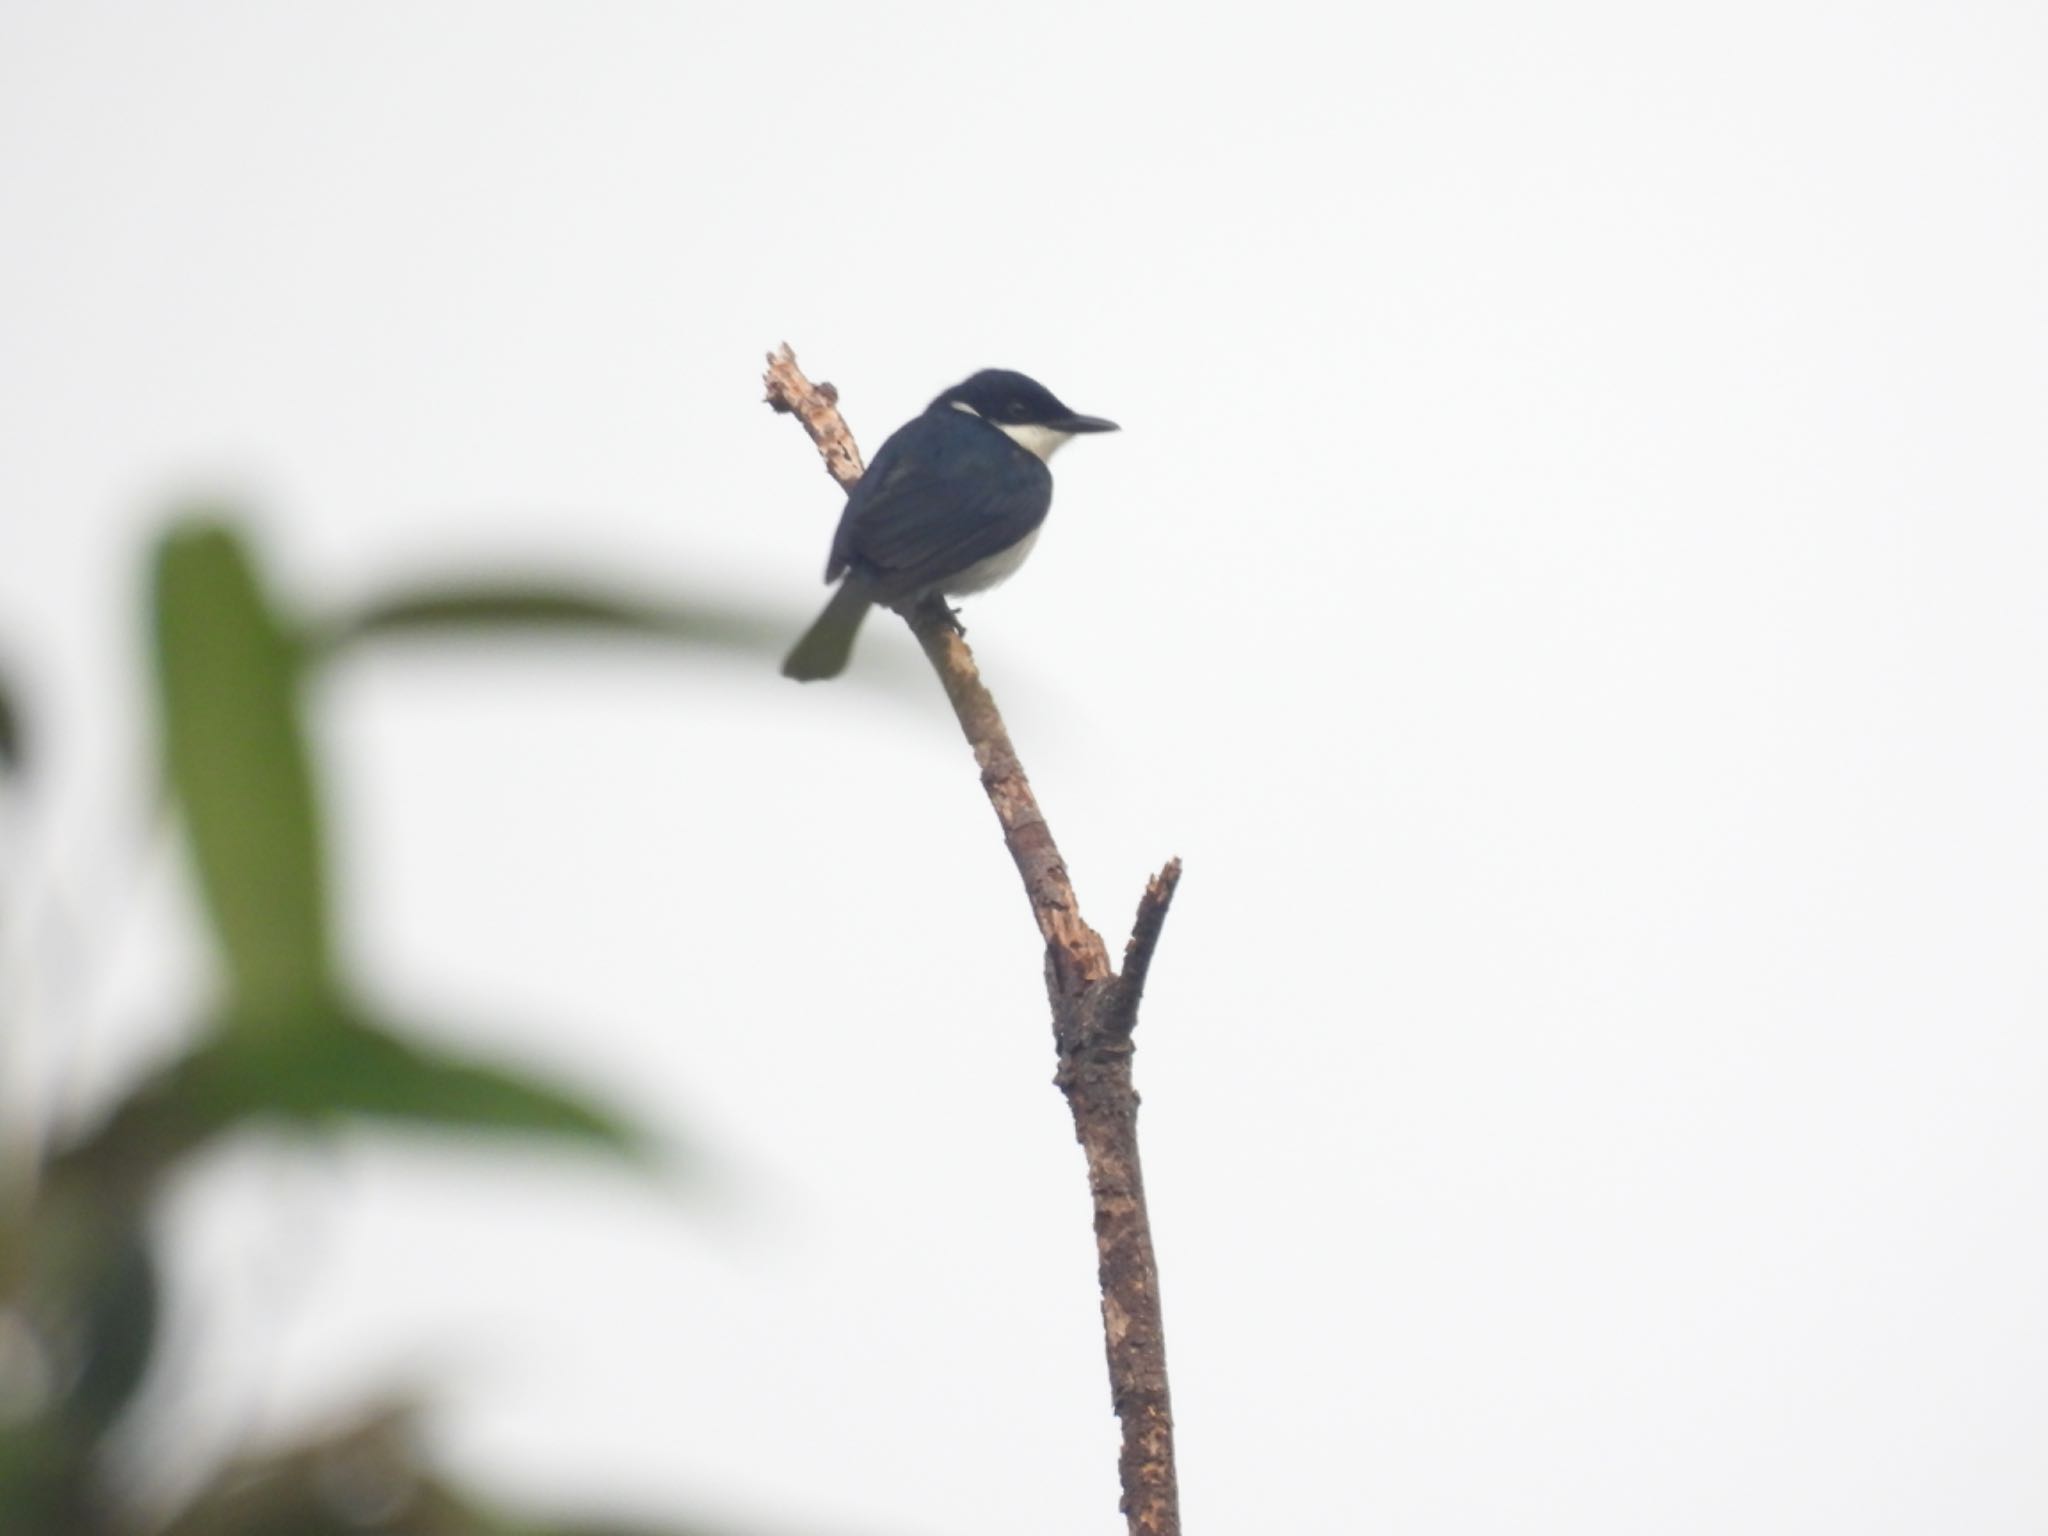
1075,948
816,406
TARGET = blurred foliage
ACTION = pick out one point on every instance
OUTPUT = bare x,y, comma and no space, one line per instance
12,749
288,1046
364,1476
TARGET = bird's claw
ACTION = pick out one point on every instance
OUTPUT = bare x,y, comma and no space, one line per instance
945,613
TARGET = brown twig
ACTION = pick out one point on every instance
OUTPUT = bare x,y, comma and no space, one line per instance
816,407
1094,1010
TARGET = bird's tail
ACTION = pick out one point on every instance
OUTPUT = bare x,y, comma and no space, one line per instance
827,644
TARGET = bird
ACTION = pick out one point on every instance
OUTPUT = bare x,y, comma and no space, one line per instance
951,504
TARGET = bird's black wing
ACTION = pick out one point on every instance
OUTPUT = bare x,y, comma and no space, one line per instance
945,491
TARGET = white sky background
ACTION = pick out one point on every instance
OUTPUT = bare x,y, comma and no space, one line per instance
1571,586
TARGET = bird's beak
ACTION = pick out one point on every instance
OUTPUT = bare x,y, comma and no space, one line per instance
1084,424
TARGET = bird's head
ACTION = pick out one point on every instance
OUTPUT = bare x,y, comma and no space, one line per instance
1023,409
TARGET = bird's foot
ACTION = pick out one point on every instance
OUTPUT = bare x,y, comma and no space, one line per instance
945,613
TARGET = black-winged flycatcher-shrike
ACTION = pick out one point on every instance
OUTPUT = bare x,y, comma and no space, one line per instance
951,504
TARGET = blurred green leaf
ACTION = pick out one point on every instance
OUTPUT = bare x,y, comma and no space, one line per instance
335,1066
315,1069
235,755
11,743
545,606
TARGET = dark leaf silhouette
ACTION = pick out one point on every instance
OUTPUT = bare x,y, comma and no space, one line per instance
13,747
546,606
119,1327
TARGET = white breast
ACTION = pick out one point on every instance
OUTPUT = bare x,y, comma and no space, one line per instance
985,573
